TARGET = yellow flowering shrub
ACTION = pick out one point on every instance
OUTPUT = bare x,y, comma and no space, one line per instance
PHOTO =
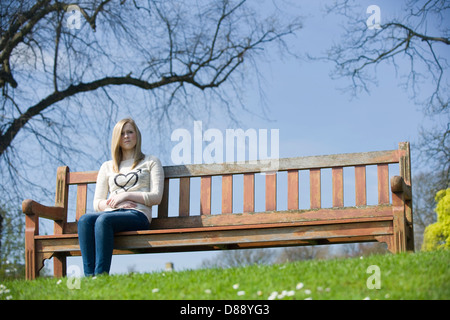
437,235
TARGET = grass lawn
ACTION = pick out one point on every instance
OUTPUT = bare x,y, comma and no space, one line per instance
422,275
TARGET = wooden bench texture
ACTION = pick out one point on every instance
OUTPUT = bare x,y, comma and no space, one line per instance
388,221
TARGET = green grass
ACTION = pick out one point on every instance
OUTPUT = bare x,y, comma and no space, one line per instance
423,275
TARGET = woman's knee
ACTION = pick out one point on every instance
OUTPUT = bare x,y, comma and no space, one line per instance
88,217
104,220
87,220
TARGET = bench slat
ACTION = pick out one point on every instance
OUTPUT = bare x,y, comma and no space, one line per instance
163,207
383,183
260,220
249,192
81,200
205,195
246,220
360,186
212,236
82,177
185,186
285,164
271,191
314,188
227,193
292,189
258,235
338,186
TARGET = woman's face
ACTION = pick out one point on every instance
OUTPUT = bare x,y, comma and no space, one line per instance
128,137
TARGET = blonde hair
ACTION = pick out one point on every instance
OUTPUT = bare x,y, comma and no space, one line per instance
116,150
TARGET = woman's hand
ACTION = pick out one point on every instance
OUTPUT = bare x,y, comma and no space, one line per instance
117,199
127,205
124,200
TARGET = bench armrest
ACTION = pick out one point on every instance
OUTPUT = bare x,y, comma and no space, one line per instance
398,185
31,207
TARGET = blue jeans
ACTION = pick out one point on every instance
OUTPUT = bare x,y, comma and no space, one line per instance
96,236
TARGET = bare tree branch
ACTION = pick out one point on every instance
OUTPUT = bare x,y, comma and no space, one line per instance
421,37
172,54
392,43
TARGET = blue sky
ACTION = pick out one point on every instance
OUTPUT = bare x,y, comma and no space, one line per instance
313,116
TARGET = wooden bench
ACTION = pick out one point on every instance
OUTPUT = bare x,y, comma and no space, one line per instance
388,221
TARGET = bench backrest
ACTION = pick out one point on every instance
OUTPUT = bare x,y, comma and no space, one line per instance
205,172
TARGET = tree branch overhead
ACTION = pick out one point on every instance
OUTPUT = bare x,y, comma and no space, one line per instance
168,49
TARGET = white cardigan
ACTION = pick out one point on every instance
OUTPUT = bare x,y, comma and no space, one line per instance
146,177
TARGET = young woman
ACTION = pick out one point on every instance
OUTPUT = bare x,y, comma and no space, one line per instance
134,183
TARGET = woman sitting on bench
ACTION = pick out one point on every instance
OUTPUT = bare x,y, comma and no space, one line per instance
135,183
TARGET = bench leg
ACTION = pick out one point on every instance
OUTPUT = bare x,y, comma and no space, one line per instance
409,226
59,265
34,262
400,210
30,263
31,229
400,232
389,240
397,242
